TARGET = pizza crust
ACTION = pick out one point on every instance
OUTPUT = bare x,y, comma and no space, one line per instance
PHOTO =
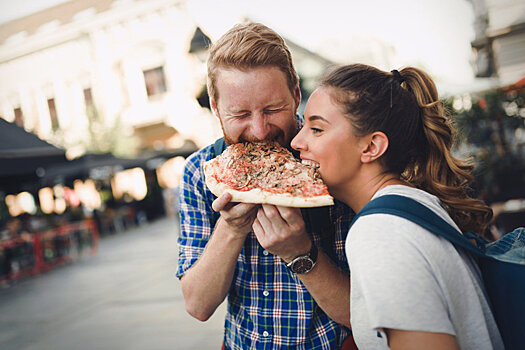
259,197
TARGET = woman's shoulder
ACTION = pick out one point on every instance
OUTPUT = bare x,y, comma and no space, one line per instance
392,234
427,199
376,229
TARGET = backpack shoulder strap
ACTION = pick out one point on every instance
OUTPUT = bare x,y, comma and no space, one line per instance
219,146
419,214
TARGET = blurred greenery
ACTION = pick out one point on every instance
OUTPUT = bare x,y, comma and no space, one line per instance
492,130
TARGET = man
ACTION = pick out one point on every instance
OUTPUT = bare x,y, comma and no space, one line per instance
242,250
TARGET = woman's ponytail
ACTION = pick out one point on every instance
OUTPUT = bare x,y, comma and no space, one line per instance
438,171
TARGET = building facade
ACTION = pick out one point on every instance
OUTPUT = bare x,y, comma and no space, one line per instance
499,44
103,64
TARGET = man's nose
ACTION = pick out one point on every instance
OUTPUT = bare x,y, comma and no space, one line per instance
260,127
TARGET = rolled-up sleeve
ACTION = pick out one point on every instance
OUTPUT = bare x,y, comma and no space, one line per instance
197,219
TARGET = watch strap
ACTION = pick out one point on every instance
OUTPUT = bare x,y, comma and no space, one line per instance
313,253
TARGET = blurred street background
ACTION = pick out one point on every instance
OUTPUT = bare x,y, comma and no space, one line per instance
125,296
101,101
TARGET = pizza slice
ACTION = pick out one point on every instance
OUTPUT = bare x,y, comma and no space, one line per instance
266,173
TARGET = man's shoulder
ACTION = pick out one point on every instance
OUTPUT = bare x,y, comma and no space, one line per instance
200,156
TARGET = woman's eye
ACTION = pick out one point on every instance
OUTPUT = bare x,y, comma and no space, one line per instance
316,130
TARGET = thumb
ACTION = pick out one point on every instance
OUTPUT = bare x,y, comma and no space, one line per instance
221,202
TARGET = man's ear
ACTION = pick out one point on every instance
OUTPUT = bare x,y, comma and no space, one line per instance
297,96
376,145
213,106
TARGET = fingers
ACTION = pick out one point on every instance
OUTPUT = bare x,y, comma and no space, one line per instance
258,230
265,217
291,215
282,217
280,230
239,216
226,207
221,202
280,221
237,210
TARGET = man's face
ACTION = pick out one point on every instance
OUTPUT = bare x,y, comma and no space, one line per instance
256,105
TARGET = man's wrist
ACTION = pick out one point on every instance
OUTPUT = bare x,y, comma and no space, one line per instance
304,263
232,232
289,259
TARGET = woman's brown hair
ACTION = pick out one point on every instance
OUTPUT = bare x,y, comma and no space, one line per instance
405,106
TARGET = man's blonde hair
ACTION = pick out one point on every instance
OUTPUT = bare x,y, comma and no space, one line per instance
247,46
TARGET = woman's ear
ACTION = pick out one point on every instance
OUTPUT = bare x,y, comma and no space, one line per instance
376,145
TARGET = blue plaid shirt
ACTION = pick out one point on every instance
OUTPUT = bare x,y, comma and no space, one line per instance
268,306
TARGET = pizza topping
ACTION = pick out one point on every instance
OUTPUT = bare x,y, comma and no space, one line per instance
268,167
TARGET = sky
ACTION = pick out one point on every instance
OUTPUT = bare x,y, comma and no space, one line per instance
433,34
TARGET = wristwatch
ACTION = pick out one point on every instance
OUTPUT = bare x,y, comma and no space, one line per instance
304,263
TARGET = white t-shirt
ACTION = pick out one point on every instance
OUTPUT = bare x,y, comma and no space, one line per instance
405,277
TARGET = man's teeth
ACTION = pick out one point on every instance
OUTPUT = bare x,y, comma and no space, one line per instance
310,163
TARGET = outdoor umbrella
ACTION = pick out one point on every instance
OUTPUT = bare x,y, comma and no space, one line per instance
22,154
104,165
87,166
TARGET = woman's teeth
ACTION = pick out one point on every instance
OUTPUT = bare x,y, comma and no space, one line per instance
310,163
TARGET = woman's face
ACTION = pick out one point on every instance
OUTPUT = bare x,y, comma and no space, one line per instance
328,140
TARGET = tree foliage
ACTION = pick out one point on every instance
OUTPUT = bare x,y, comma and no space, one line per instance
492,130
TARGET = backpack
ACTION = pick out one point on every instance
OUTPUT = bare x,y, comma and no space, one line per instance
502,263
219,146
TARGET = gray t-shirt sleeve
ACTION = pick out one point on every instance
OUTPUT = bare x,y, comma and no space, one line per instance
393,277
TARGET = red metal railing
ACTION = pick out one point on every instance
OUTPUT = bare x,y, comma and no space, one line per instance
45,250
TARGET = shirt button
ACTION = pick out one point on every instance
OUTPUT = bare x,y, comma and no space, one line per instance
265,334
265,252
266,293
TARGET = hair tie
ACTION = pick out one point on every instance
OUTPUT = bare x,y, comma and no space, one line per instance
398,76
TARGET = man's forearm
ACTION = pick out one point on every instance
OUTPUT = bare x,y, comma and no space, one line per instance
206,284
330,288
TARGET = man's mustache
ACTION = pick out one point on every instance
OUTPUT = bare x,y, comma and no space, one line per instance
274,135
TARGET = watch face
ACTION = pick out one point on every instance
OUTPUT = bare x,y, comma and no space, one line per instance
303,265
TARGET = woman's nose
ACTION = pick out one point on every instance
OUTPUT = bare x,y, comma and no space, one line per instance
298,142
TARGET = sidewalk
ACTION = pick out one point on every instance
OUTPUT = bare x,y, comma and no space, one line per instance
124,297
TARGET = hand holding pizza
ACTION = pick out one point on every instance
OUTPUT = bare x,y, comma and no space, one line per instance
268,176
238,216
281,231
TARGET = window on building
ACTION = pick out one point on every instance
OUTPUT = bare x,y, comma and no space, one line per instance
155,81
53,113
88,98
19,117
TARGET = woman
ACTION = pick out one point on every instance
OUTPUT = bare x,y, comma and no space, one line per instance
375,133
